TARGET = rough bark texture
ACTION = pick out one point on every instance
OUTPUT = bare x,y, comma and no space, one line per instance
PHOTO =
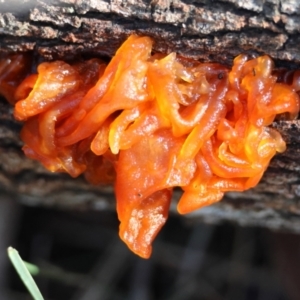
212,31
217,30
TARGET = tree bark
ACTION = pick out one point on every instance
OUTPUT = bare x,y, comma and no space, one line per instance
210,31
214,31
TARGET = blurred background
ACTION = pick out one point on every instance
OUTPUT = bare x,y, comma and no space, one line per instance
81,258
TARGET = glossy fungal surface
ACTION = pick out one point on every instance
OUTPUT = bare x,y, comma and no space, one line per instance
149,123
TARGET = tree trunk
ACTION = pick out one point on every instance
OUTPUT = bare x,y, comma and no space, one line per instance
210,31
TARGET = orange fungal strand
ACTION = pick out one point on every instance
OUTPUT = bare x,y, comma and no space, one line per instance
55,80
122,86
13,69
149,123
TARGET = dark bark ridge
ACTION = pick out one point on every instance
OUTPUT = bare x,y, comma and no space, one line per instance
215,31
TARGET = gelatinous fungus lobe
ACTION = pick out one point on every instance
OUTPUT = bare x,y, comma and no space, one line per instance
13,69
149,123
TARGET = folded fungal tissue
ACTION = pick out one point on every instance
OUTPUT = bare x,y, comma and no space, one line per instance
147,123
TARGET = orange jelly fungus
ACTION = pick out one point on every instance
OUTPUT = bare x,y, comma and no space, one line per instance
149,123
